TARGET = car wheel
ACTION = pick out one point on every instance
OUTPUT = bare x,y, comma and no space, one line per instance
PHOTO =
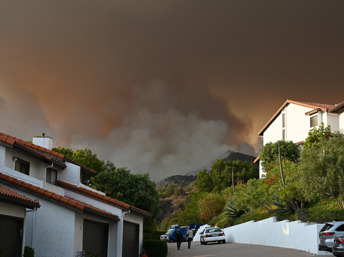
219,242
205,243
223,241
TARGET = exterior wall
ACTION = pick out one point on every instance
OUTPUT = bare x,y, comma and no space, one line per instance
71,174
285,234
12,210
297,125
341,122
332,120
52,233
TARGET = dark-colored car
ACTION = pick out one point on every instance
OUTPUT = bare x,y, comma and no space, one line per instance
338,247
327,234
211,234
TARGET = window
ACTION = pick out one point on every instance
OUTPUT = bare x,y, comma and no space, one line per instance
340,228
283,126
314,121
22,166
51,176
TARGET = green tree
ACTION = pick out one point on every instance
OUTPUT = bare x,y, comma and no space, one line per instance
84,157
317,133
135,189
269,155
321,169
191,214
204,182
221,173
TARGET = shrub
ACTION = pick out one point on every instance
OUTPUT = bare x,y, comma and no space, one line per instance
29,252
1,251
155,248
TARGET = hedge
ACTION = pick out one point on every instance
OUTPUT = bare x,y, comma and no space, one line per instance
155,248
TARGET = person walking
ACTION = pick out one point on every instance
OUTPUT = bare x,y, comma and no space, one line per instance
189,237
179,238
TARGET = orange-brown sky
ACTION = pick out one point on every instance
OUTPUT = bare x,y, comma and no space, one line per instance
163,86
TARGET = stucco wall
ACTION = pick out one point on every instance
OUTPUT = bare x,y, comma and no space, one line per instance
50,230
341,121
286,234
12,210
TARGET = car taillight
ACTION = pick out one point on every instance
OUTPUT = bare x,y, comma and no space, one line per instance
223,234
207,235
340,240
328,233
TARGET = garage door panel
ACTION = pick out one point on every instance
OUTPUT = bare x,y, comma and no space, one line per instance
130,239
11,230
95,237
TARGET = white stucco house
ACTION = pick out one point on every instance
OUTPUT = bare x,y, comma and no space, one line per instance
44,205
293,120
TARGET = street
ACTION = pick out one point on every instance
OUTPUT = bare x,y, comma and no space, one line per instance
233,250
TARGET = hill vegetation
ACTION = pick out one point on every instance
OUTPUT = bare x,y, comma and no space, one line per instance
310,188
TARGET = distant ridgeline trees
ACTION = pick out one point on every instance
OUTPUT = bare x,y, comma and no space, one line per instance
119,183
222,173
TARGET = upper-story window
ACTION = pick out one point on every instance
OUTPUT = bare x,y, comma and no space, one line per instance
314,121
51,176
22,166
283,126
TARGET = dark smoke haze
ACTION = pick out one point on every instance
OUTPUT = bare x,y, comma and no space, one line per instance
163,86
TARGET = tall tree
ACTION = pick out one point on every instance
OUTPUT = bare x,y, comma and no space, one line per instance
222,172
135,189
83,156
321,169
204,182
269,155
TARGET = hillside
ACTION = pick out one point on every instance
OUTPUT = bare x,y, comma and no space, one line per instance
173,190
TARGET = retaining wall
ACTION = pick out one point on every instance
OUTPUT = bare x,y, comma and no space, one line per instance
285,234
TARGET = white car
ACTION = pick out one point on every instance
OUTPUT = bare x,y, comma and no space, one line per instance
211,234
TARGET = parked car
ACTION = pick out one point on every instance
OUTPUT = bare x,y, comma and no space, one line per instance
169,236
338,247
211,234
327,234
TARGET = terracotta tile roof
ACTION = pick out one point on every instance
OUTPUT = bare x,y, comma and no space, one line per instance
41,152
9,195
103,197
339,108
322,107
59,198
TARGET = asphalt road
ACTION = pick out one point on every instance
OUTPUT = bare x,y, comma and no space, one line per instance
233,250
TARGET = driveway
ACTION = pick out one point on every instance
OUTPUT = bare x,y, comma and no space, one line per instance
233,250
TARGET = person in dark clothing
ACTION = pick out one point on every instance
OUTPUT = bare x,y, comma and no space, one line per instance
179,238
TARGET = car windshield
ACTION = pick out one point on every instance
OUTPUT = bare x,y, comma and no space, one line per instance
327,226
170,232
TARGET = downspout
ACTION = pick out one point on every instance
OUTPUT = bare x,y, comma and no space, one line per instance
120,229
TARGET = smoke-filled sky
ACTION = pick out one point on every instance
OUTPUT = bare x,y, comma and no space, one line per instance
163,87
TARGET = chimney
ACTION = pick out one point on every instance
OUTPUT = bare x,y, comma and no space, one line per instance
43,141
